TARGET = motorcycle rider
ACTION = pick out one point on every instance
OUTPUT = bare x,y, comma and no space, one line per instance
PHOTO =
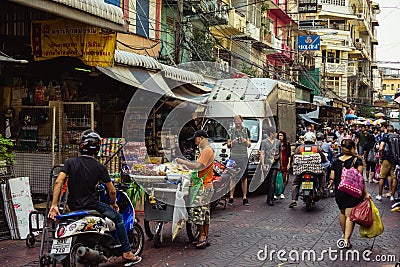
309,145
84,173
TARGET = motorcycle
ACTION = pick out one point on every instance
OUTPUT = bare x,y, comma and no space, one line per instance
88,238
309,189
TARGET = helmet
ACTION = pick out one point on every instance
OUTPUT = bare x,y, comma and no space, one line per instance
90,143
309,137
320,136
230,163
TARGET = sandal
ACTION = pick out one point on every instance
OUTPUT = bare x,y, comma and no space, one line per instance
129,256
293,204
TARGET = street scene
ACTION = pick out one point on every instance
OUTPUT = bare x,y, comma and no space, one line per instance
199,133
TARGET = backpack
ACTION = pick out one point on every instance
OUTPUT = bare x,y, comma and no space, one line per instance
351,181
392,149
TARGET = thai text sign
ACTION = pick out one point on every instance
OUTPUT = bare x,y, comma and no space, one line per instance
60,38
309,42
308,6
313,24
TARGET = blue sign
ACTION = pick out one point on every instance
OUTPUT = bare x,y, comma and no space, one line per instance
309,42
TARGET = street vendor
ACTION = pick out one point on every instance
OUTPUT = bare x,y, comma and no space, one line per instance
199,212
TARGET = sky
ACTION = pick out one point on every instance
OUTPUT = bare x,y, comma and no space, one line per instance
388,35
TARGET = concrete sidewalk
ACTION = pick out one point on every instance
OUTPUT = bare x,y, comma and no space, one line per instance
253,235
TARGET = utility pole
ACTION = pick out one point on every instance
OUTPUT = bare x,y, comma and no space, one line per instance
179,34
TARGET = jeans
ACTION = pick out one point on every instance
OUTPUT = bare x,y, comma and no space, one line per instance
270,182
117,218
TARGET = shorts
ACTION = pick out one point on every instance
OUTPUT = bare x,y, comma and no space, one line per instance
387,169
199,212
370,166
243,165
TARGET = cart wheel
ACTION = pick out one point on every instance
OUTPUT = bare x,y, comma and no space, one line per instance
45,260
192,231
157,236
148,228
30,240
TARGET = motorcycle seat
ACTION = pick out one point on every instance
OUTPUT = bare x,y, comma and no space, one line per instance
79,214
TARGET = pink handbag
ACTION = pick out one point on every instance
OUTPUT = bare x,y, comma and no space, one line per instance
352,182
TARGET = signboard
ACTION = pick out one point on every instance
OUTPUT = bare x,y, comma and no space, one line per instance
313,24
309,42
61,37
308,6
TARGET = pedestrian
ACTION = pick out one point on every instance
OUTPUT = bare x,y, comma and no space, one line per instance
370,158
84,173
345,201
238,142
270,151
199,212
286,154
361,138
389,153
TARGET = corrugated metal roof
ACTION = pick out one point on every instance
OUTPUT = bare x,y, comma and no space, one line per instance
182,75
136,60
97,8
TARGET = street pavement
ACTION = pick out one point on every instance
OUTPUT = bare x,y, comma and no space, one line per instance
260,235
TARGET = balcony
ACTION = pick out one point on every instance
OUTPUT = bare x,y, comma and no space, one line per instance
214,11
363,78
265,40
235,26
252,32
281,52
351,71
335,68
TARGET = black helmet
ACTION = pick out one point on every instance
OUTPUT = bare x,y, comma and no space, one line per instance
90,143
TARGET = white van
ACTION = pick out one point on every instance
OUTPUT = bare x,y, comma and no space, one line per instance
261,102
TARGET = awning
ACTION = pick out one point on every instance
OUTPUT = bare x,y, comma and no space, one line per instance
146,80
314,114
92,12
136,60
307,119
305,104
12,60
182,75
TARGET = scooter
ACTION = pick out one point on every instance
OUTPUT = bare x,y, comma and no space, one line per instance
309,189
88,238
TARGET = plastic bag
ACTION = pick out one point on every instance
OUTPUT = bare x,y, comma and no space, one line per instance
362,213
376,227
279,184
377,172
180,215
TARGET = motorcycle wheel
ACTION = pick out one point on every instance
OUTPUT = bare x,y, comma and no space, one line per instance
308,201
192,231
136,239
71,259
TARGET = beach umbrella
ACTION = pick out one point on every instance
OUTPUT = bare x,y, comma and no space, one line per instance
379,115
351,117
379,121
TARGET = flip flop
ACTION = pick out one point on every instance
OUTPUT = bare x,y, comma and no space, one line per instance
202,244
292,205
130,263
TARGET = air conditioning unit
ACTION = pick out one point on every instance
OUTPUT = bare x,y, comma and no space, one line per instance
359,40
360,16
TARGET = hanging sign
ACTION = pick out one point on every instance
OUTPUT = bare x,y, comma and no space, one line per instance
309,42
64,38
314,24
308,6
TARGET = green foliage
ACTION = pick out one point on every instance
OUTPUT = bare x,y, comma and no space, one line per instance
203,44
365,111
249,70
135,193
6,153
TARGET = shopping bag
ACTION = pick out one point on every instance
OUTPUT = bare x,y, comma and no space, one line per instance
351,181
376,227
279,184
180,215
362,213
377,172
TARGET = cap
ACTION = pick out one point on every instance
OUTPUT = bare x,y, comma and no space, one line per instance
199,133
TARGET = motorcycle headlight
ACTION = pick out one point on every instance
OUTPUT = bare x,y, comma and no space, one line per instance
254,156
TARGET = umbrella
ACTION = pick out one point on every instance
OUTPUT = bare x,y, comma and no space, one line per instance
351,117
380,114
379,121
368,122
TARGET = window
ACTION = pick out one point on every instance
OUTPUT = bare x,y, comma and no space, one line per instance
331,57
333,83
392,86
217,129
384,86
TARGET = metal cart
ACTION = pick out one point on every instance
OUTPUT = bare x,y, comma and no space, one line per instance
158,210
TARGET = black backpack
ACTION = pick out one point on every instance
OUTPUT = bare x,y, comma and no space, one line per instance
392,148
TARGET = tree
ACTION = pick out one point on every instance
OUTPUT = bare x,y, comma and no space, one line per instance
5,150
365,111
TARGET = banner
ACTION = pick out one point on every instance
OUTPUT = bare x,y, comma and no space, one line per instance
64,38
309,42
307,6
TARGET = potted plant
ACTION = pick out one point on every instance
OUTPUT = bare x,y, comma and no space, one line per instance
6,154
